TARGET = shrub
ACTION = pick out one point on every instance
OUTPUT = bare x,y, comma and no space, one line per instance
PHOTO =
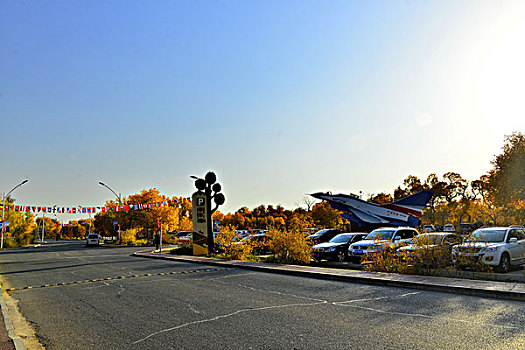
230,246
290,246
169,239
465,260
141,242
386,260
128,237
425,258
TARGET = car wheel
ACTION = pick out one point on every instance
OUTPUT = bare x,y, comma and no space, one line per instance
504,263
355,260
341,256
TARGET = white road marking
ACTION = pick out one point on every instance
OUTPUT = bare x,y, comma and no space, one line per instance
432,317
225,316
373,299
121,289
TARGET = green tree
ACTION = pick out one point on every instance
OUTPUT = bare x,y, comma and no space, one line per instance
507,178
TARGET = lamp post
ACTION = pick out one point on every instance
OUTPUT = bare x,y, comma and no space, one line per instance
3,211
43,226
119,197
61,227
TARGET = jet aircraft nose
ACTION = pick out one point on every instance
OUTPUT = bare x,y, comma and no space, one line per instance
318,195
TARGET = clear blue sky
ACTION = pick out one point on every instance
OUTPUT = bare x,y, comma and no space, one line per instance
279,98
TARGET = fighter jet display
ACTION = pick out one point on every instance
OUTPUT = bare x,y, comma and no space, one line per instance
406,211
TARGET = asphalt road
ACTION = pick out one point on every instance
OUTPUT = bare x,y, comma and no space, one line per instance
158,304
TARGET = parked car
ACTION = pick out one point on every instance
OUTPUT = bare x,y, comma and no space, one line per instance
449,228
93,239
184,233
260,240
323,235
500,247
185,237
379,239
429,228
434,248
337,248
465,228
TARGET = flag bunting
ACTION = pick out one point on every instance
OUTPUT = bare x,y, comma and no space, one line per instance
84,209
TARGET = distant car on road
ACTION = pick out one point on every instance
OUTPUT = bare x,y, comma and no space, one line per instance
323,235
93,239
337,248
500,247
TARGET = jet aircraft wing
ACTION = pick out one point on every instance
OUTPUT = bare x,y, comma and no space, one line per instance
368,217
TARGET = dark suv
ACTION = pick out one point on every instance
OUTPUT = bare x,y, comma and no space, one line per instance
323,235
336,249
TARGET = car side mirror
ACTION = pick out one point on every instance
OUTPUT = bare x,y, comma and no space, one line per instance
397,238
513,240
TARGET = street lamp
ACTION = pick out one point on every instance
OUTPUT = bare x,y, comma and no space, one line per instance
61,224
119,197
61,227
3,211
43,225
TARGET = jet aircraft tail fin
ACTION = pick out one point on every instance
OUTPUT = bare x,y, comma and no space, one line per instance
419,199
413,204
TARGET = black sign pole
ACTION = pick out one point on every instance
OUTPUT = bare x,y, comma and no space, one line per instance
209,226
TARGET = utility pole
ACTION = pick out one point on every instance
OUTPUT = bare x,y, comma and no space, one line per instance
119,197
3,211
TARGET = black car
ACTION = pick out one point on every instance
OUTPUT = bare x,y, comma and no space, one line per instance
323,235
337,248
260,241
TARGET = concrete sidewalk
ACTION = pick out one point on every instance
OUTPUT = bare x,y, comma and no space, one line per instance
480,288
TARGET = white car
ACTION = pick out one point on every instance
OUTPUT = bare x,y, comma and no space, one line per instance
500,247
449,228
429,228
378,239
92,239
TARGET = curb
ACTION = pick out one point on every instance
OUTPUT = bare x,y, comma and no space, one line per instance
479,288
17,341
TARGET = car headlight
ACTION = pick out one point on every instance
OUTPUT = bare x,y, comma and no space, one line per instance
328,250
490,249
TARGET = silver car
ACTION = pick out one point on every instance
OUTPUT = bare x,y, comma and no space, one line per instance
500,247
92,240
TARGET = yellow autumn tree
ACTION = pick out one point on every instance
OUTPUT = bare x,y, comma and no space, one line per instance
145,222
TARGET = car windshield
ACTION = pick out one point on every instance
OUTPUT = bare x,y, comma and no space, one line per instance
428,239
487,236
380,234
319,233
92,236
341,239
